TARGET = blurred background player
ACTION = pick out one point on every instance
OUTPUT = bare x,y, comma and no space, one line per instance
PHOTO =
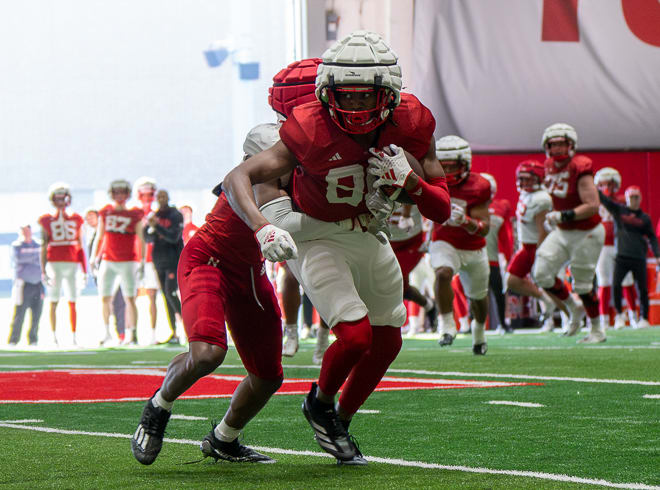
115,252
407,240
118,304
146,195
499,241
27,289
577,236
189,228
62,250
459,244
634,234
533,204
163,231
608,182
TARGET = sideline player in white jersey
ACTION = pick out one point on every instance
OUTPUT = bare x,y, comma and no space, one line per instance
534,203
608,181
578,235
115,253
62,250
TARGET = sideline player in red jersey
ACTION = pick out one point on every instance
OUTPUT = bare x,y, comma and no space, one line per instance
61,250
222,279
116,255
578,234
352,279
459,245
533,204
499,240
608,181
189,228
146,195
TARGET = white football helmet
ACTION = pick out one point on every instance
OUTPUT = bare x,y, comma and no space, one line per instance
361,61
60,189
261,138
560,130
457,149
608,178
493,183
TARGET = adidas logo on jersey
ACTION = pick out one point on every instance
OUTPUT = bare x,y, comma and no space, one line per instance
335,157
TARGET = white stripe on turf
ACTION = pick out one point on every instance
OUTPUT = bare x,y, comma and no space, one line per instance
515,404
656,396
396,462
186,417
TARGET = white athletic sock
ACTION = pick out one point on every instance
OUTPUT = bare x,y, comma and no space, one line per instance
107,330
448,324
225,433
159,401
478,332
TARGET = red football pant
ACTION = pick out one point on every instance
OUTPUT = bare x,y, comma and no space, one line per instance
235,292
408,255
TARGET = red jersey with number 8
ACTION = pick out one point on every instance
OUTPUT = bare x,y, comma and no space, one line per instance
330,183
63,233
562,185
120,233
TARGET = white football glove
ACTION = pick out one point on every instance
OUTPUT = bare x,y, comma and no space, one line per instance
457,217
276,244
405,223
139,272
380,230
392,170
552,218
378,203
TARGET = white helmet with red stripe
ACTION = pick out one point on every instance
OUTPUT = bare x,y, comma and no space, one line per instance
560,131
361,62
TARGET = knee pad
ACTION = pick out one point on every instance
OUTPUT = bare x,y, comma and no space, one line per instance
543,276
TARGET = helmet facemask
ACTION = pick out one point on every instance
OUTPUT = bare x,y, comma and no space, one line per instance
528,182
458,173
360,121
61,199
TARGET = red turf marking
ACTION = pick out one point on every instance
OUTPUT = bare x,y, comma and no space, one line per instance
112,385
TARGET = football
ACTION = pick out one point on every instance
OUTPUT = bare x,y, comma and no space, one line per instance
400,195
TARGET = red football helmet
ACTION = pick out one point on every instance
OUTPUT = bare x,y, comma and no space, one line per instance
293,86
633,191
529,175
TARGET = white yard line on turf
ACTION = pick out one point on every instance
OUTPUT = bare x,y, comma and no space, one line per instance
395,462
515,404
656,396
186,417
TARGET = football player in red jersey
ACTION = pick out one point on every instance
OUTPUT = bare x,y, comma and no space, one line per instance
61,251
146,195
352,278
117,256
533,204
459,245
223,282
578,235
498,241
189,228
608,181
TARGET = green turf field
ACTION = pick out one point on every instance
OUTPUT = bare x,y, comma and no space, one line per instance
591,424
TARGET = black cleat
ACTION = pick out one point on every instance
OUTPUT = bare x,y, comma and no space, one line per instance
148,438
233,451
446,339
328,429
358,459
480,349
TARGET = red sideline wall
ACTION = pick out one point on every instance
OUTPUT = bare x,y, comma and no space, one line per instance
641,168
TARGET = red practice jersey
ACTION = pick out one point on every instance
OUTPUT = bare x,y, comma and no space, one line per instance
120,233
228,235
188,232
63,232
473,191
562,184
330,183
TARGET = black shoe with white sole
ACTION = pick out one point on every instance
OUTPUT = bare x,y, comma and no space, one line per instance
147,441
446,339
233,451
328,429
480,349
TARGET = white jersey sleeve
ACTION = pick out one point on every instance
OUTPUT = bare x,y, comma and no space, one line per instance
398,234
261,138
529,205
